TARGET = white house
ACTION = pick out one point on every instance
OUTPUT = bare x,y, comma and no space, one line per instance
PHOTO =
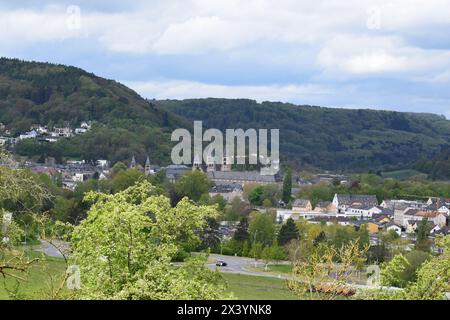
29,135
341,202
394,227
362,211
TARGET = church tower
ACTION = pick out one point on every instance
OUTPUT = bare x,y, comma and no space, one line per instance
211,164
226,164
197,165
133,164
148,168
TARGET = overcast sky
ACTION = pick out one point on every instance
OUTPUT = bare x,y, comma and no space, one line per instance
338,53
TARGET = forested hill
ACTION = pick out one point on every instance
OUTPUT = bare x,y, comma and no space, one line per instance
328,138
49,94
126,124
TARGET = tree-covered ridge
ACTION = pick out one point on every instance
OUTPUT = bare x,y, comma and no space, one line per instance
49,94
328,138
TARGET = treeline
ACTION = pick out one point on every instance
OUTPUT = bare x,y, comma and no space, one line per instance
438,167
326,138
383,188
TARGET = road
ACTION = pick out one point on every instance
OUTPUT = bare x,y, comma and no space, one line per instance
51,250
242,265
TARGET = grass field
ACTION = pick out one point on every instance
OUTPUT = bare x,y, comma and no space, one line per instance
243,287
402,174
276,268
246,287
38,280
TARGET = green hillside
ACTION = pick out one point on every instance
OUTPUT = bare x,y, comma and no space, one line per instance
48,94
328,138
125,124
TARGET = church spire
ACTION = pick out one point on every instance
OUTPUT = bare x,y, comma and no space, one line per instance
133,164
148,168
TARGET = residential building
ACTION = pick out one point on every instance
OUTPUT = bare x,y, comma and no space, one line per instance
301,205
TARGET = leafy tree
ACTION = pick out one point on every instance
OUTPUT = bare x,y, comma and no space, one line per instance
125,179
288,232
193,185
246,249
423,231
267,203
320,273
431,283
287,187
256,250
363,236
262,229
237,209
256,196
210,235
119,167
125,245
391,272
241,233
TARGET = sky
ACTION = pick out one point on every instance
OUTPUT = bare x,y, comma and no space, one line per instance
378,54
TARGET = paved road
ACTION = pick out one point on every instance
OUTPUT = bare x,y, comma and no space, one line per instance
242,265
50,250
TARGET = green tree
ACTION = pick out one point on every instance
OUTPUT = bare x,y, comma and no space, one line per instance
241,233
256,250
193,185
237,209
125,179
119,167
391,272
288,232
262,229
256,196
125,245
423,231
287,187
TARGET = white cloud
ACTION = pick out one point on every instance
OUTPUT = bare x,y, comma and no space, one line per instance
328,41
375,55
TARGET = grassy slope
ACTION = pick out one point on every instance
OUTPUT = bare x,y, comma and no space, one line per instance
242,286
257,288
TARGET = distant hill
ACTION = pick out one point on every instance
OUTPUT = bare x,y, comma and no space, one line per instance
125,124
42,93
328,138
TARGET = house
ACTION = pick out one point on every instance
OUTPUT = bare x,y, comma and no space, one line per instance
381,218
175,172
443,231
438,218
341,202
29,135
343,221
65,132
301,205
402,204
394,227
436,202
242,177
102,163
283,215
227,191
322,206
362,211
80,130
373,227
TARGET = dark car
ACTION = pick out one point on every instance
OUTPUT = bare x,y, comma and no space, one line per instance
221,264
